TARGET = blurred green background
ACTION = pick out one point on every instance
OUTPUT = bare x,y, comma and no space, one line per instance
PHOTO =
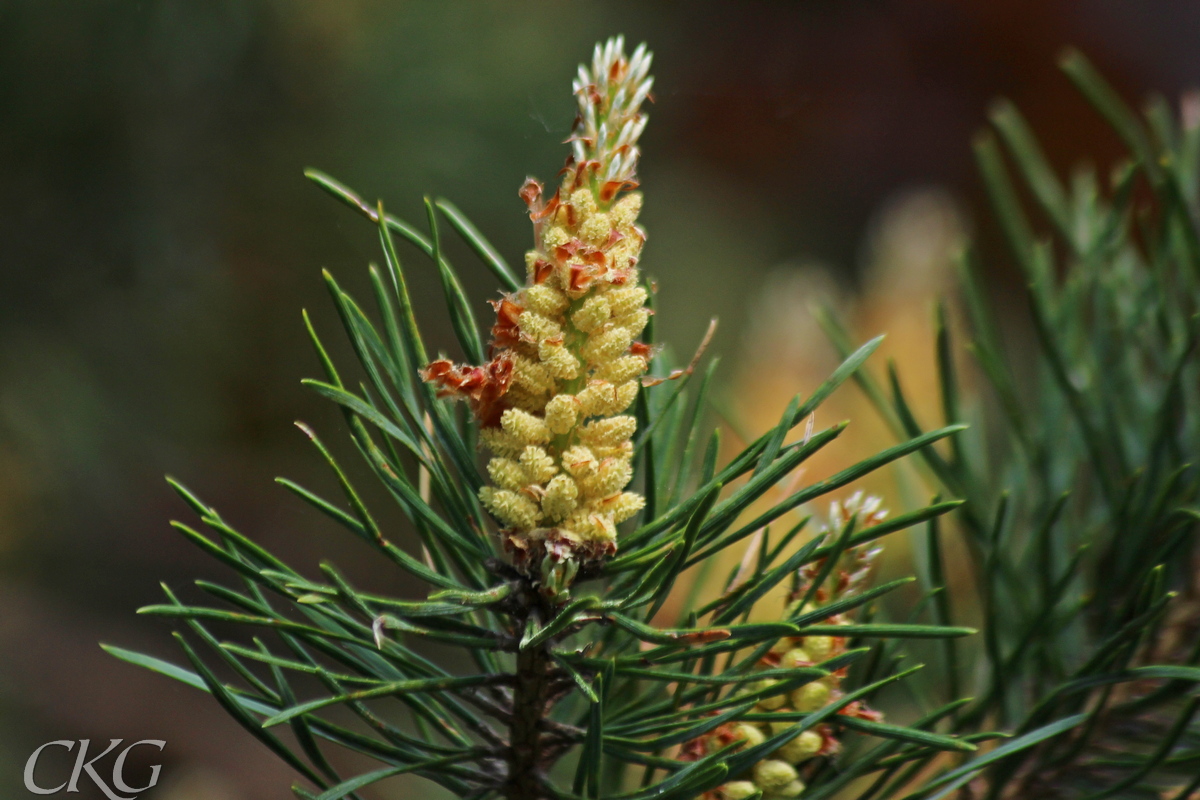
159,240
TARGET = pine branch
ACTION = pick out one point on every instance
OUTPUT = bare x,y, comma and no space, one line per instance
548,568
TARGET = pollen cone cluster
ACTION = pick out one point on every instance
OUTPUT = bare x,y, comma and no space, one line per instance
566,359
781,774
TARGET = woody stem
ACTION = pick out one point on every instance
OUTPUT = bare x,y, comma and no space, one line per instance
531,693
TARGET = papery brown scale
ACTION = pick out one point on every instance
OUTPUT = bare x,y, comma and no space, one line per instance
461,381
491,405
507,312
542,269
531,193
559,550
568,249
515,543
503,339
604,549
725,736
641,349
506,332
555,543
582,170
842,583
829,742
482,387
859,711
610,188
442,373
547,210
693,750
582,276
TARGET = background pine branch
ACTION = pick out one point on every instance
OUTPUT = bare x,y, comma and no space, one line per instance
1078,476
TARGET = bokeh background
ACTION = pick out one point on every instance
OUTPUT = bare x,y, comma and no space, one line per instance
158,241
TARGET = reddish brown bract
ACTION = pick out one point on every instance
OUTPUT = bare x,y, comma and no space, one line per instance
582,276
542,269
609,190
531,192
505,332
482,387
641,349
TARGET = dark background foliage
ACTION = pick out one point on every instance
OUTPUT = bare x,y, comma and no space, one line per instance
159,239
